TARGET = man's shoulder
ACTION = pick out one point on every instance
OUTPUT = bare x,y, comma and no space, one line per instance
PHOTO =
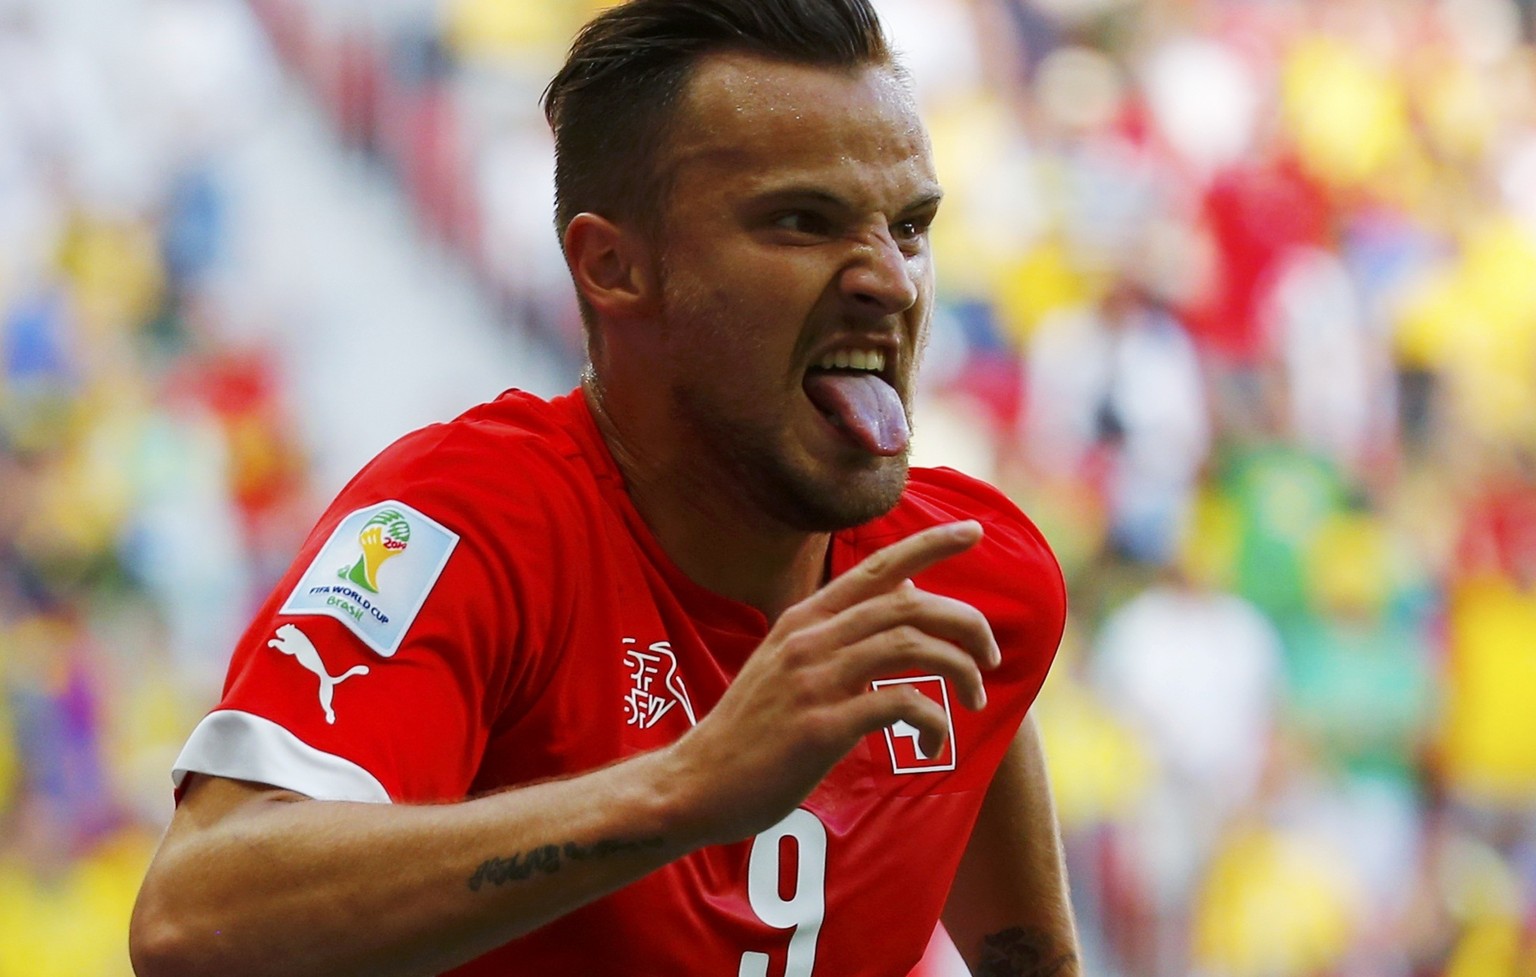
939,495
1013,558
517,433
516,464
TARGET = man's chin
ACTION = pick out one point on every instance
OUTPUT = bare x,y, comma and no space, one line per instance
813,505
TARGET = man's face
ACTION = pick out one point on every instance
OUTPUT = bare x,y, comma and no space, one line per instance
797,282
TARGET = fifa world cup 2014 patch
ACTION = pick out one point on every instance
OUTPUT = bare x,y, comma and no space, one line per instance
374,572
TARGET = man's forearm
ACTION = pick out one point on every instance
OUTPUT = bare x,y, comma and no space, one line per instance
327,888
1010,913
245,883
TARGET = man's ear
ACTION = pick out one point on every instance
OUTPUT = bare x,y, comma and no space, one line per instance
613,267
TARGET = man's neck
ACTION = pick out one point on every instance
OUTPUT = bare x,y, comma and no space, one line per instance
708,528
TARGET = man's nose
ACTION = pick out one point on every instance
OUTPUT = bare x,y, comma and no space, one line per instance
878,278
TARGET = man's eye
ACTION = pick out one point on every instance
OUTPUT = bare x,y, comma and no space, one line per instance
803,222
909,230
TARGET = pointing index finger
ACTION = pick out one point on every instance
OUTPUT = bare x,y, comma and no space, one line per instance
889,567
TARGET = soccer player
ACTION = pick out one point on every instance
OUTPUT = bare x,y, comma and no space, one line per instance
684,672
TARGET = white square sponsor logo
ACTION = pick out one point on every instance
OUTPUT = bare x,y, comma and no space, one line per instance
901,738
375,572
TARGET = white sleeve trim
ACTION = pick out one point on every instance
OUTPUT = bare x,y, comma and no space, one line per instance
244,746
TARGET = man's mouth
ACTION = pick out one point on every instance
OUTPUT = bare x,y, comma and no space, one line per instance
852,390
861,360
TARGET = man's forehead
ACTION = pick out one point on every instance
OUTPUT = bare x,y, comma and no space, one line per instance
764,114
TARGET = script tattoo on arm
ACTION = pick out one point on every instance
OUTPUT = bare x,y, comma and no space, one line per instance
549,859
1018,952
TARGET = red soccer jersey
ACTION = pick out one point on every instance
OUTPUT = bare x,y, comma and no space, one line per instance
482,607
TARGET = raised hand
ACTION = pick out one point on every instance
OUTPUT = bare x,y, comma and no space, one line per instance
804,698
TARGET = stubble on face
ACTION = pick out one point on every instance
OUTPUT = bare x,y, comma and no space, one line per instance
740,423
801,499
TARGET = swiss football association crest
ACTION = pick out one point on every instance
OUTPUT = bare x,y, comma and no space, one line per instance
901,738
656,686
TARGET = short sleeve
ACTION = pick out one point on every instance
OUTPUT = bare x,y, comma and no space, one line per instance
381,662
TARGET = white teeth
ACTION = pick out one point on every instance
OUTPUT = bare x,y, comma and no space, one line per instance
853,359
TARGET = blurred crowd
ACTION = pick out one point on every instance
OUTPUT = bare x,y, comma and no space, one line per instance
146,456
1238,300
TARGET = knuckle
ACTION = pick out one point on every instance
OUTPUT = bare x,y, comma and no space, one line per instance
792,624
801,615
821,731
980,621
907,601
926,712
793,618
902,601
795,650
968,612
908,639
803,686
877,564
978,632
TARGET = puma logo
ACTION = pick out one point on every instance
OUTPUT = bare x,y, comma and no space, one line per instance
291,641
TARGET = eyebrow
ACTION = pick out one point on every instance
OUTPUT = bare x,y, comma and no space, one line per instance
927,200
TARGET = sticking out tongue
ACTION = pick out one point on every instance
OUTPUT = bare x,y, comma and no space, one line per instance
866,408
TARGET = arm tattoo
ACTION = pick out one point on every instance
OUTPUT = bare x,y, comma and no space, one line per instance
1018,952
549,859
